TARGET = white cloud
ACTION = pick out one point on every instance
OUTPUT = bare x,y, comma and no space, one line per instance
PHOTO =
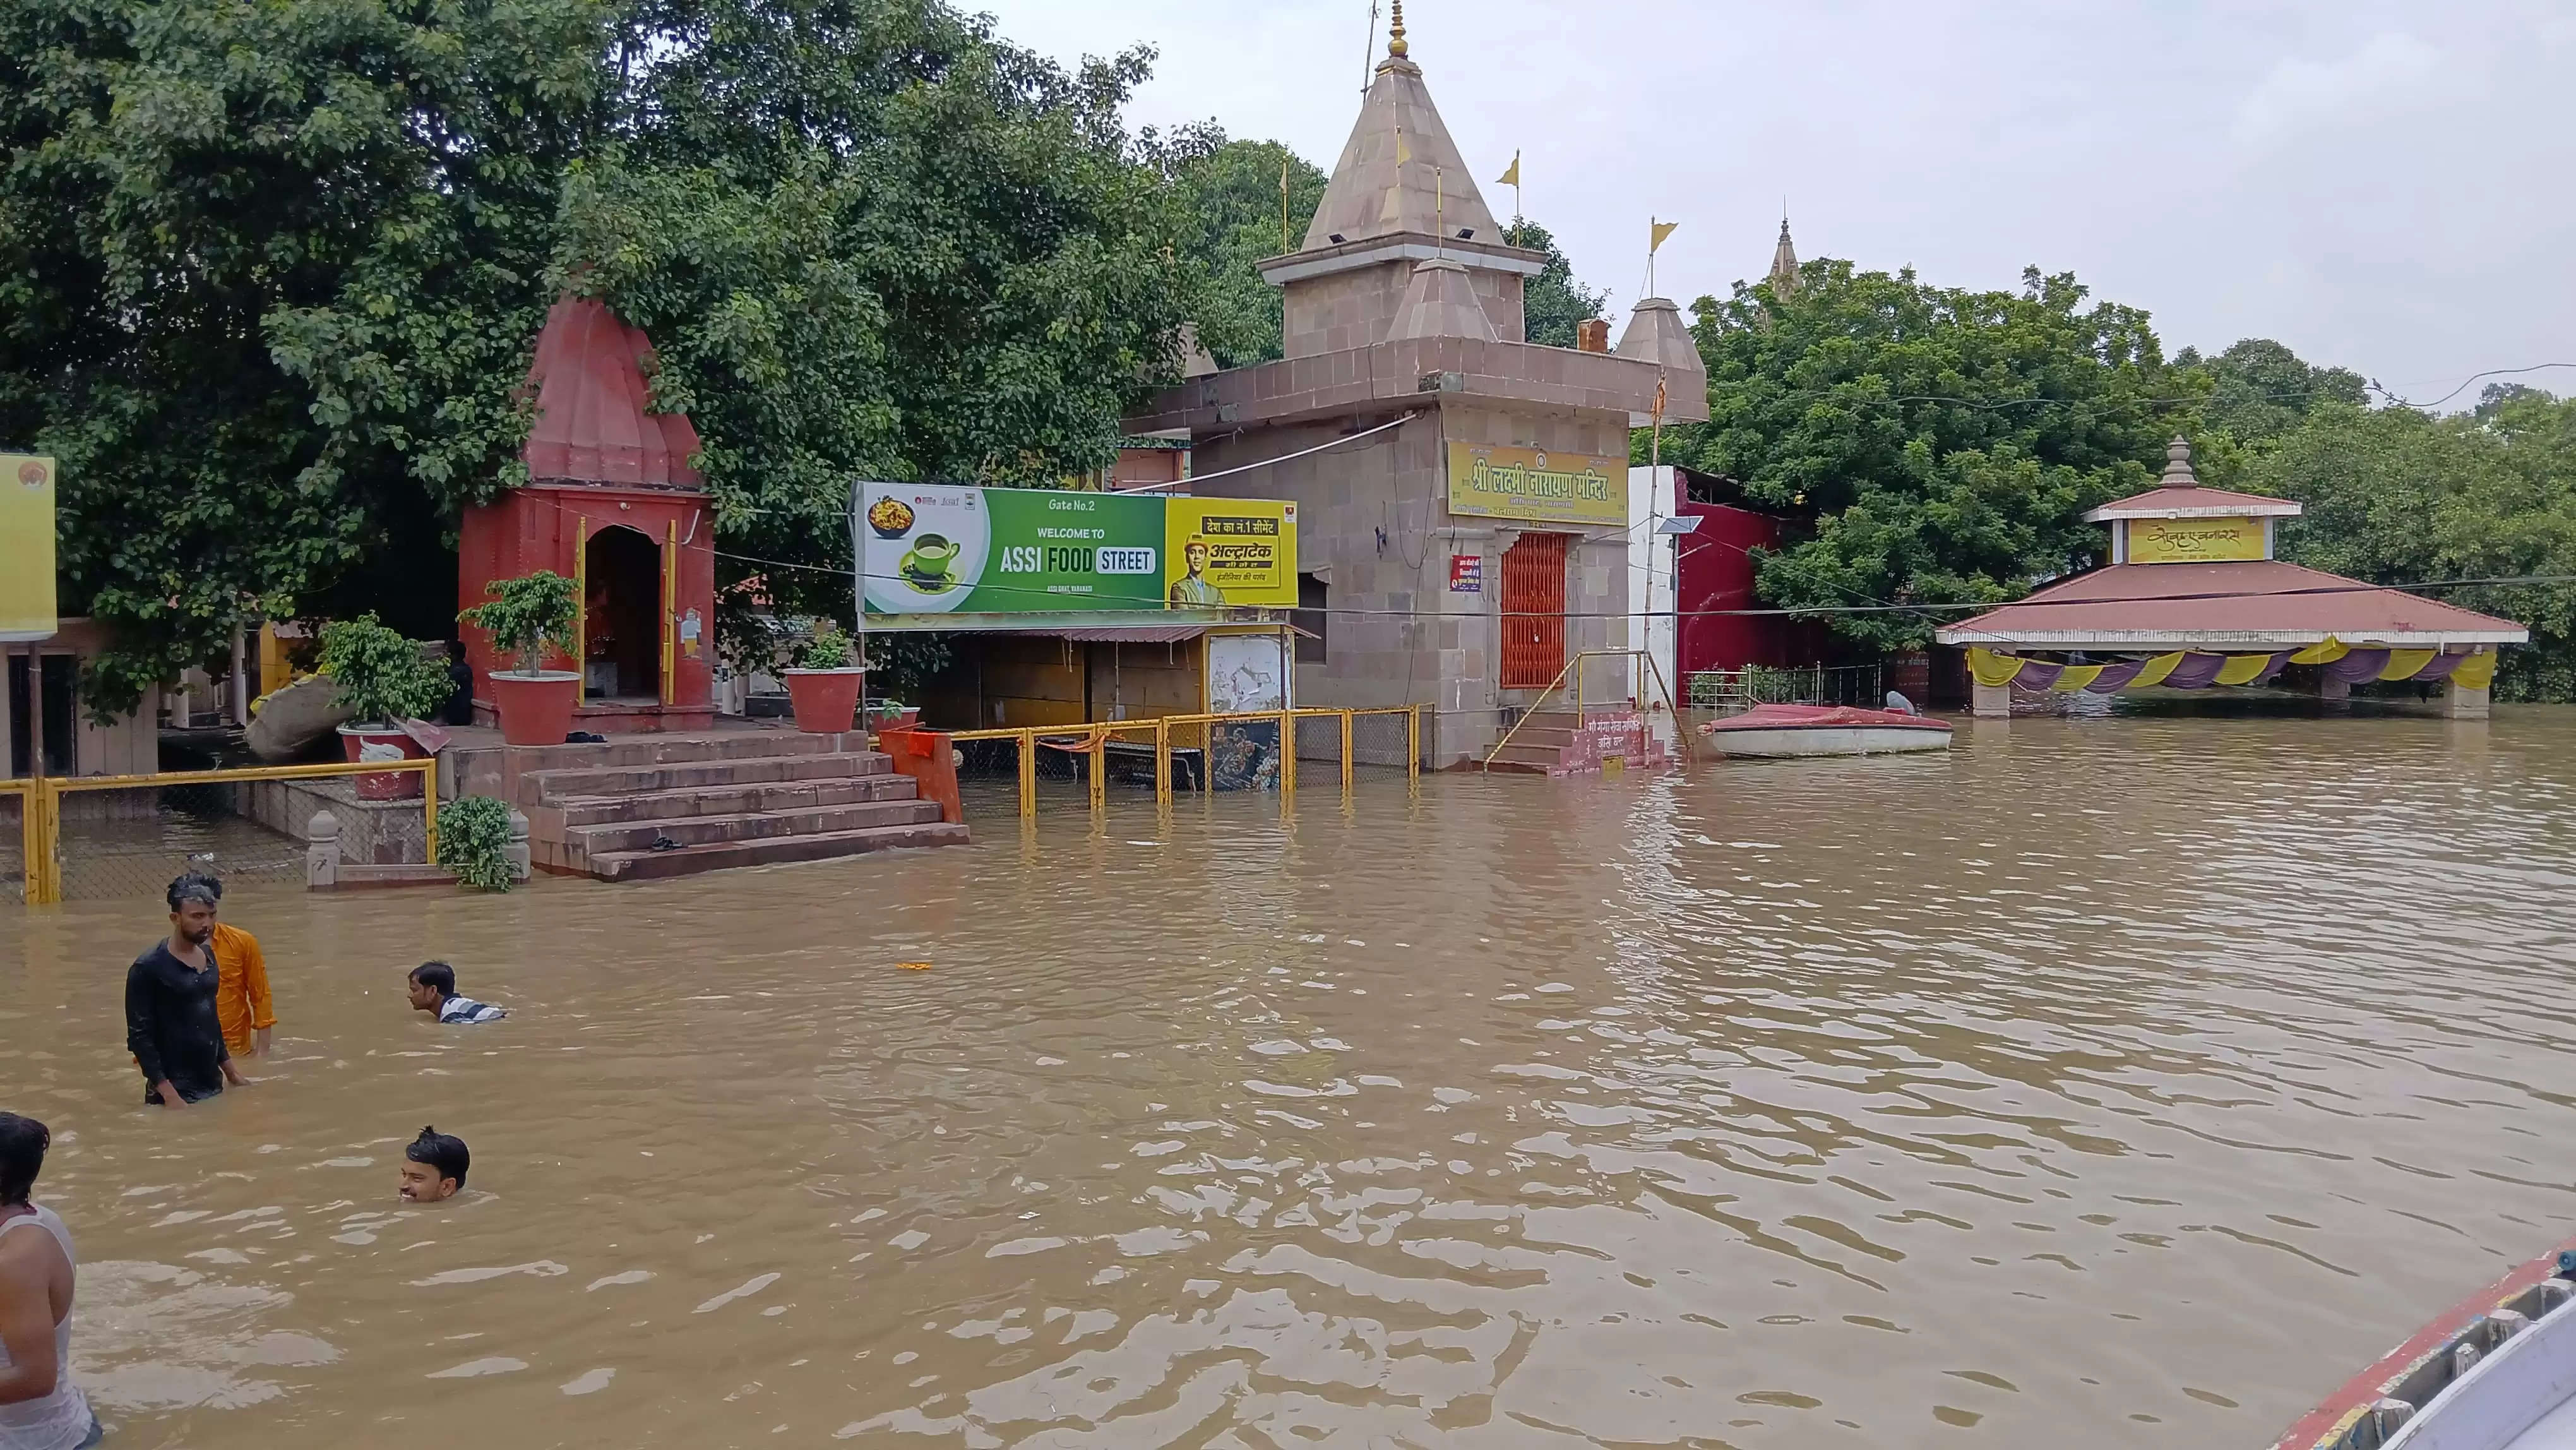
2299,95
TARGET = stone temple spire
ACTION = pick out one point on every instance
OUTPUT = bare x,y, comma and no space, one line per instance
1784,262
2178,472
1400,173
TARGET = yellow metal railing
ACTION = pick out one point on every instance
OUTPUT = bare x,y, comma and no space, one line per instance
1091,740
40,810
1646,669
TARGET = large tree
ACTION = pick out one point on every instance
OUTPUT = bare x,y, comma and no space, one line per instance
1551,302
271,270
2399,496
1237,219
267,273
1931,445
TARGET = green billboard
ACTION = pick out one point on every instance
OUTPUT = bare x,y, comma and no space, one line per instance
932,548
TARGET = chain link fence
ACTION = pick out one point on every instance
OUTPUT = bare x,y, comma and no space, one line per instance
125,837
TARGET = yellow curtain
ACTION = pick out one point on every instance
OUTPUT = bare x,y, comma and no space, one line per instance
2404,662
2241,669
2076,677
1990,668
2154,671
2324,652
2477,672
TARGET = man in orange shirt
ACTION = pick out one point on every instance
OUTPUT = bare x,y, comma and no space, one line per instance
241,993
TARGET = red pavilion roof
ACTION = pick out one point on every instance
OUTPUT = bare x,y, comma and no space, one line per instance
2252,602
594,420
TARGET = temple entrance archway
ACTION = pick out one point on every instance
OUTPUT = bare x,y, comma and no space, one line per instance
621,616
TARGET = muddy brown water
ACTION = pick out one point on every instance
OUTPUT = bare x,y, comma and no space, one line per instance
2132,1081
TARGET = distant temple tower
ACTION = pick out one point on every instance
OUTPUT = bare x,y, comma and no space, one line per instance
1462,552
1784,263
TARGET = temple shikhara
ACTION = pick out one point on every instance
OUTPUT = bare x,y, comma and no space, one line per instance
1462,493
2193,597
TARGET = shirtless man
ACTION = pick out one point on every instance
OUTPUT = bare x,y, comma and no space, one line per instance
40,1407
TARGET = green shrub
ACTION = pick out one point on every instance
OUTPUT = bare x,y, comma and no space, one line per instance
381,676
828,649
525,615
474,839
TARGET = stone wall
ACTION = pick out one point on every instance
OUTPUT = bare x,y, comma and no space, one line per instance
1346,310
371,832
1373,521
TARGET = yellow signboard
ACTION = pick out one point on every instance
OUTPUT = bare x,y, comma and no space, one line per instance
26,547
1229,551
2194,541
1525,483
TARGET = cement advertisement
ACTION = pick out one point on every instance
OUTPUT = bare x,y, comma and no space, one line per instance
1230,551
1525,483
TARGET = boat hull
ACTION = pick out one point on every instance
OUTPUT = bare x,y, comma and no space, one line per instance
1802,742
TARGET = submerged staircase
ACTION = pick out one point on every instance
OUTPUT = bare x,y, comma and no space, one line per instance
644,806
1539,744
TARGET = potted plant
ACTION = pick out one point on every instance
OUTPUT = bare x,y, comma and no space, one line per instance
380,679
824,682
524,616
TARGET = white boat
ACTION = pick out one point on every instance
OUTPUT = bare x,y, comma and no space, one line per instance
1788,731
2496,1371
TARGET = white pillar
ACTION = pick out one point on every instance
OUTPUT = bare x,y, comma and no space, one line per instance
2461,703
241,678
1993,702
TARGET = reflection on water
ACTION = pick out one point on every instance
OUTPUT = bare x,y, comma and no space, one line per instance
2131,1079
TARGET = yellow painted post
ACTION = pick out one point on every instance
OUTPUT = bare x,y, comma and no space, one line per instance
1027,744
580,611
1346,752
1287,756
1413,744
1163,764
671,614
429,808
31,839
1099,753
44,852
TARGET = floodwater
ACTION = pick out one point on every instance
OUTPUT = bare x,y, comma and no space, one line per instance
2132,1081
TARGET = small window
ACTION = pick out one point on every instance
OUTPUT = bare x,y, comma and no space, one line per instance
1313,617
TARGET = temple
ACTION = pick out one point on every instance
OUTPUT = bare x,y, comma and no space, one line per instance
1462,492
611,502
2193,597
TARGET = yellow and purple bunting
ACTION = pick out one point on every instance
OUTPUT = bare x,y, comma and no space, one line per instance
2193,670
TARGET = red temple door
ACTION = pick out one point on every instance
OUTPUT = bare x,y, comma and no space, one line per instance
1534,611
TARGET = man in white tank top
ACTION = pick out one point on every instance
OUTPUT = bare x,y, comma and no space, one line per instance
40,1407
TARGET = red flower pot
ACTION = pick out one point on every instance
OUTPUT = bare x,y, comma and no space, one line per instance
391,785
536,709
827,701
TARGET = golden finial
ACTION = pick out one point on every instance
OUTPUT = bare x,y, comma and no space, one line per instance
1395,45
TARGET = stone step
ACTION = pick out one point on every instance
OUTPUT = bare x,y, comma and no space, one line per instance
594,842
647,749
1527,756
554,787
718,800
776,850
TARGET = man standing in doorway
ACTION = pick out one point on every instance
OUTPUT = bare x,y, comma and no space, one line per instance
241,984
171,1025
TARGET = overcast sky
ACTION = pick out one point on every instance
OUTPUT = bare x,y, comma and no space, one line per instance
2387,187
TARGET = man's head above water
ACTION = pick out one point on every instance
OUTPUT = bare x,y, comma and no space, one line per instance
193,899
430,985
434,1167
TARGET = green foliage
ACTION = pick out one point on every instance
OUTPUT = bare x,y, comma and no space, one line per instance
379,676
1232,190
526,614
2258,390
271,273
826,649
2397,496
1932,445
901,666
1551,302
474,841
264,266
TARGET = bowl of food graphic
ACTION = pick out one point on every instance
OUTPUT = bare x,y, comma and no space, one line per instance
891,517
927,566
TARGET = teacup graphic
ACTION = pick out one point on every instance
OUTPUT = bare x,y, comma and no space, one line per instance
925,567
